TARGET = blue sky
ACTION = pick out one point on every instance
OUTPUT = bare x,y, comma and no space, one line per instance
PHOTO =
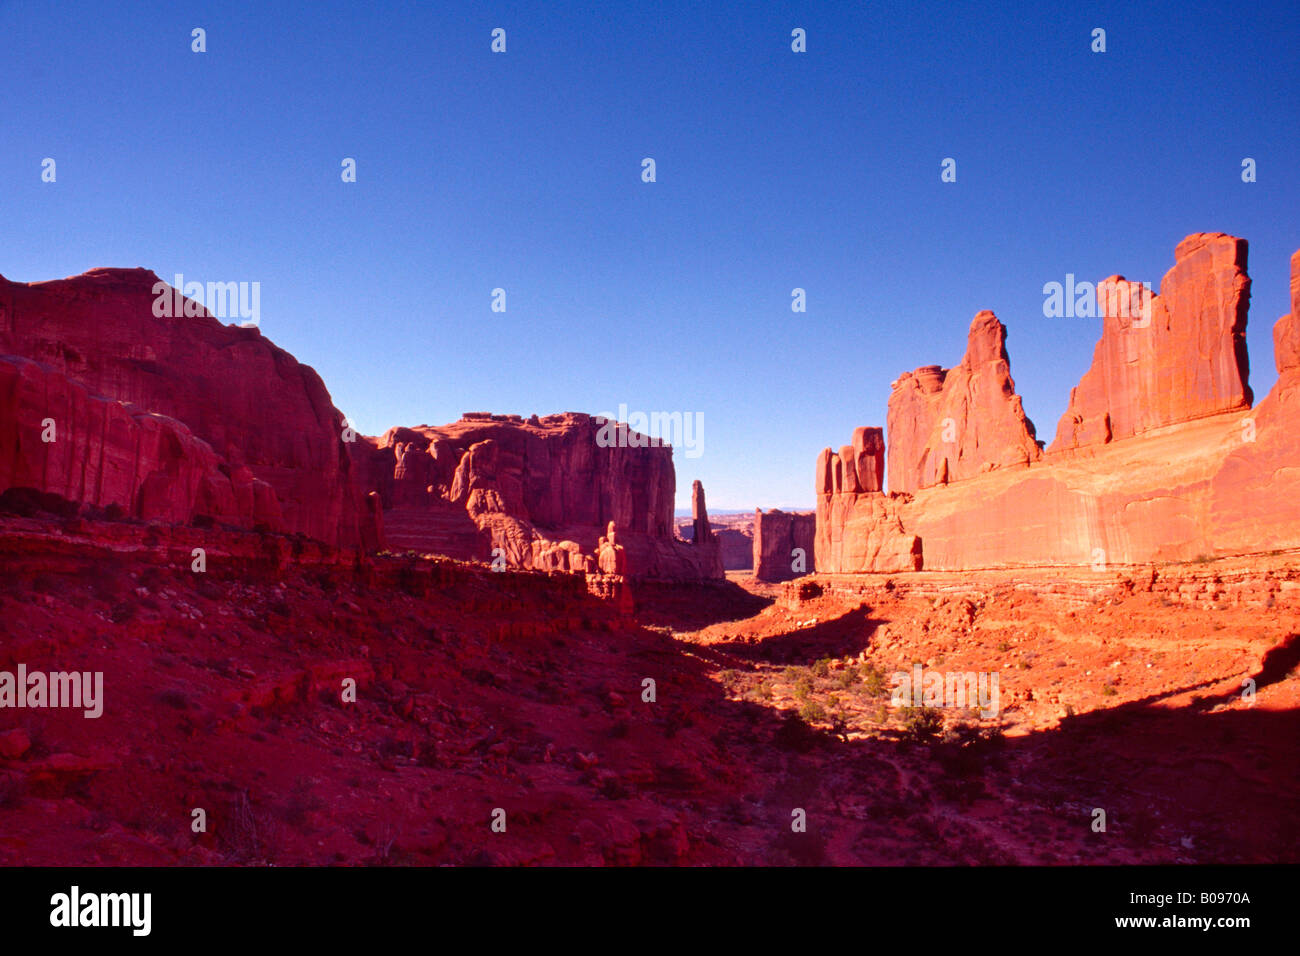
775,170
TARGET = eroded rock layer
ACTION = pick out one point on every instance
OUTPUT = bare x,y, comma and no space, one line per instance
567,492
1160,457
948,425
168,418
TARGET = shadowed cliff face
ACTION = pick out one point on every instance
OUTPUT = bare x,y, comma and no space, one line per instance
274,454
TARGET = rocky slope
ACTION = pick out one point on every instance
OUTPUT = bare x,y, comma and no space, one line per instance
519,694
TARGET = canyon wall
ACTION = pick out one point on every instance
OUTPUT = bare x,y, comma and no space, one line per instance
253,437
784,544
1159,457
544,491
1168,358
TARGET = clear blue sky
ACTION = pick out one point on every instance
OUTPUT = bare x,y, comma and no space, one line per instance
775,170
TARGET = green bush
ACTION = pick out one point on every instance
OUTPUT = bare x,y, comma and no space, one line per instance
812,711
922,722
873,680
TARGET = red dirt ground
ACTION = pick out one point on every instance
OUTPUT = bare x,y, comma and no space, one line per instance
479,691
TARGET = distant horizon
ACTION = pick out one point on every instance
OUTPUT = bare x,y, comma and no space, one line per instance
686,512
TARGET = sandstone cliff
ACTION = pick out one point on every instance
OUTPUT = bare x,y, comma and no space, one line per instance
254,437
947,425
784,544
544,491
1160,457
1180,356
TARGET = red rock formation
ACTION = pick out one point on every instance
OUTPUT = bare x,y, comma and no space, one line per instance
734,534
850,507
1286,333
1203,484
699,515
948,425
1255,496
611,557
536,489
784,544
1185,360
857,533
107,454
253,403
869,458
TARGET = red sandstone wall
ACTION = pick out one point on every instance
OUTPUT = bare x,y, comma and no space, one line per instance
543,490
255,406
1159,459
777,534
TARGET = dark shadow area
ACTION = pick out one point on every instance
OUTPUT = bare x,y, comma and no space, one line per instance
1277,665
692,607
1279,662
844,636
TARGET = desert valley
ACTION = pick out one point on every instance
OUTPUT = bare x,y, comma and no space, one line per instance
491,641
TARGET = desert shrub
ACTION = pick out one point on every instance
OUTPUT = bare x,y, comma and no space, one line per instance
812,711
922,722
794,734
873,681
13,790
173,697
300,803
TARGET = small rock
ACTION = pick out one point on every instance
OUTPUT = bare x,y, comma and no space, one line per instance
14,743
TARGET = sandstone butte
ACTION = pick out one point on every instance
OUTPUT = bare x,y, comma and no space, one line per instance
186,420
1159,456
548,493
